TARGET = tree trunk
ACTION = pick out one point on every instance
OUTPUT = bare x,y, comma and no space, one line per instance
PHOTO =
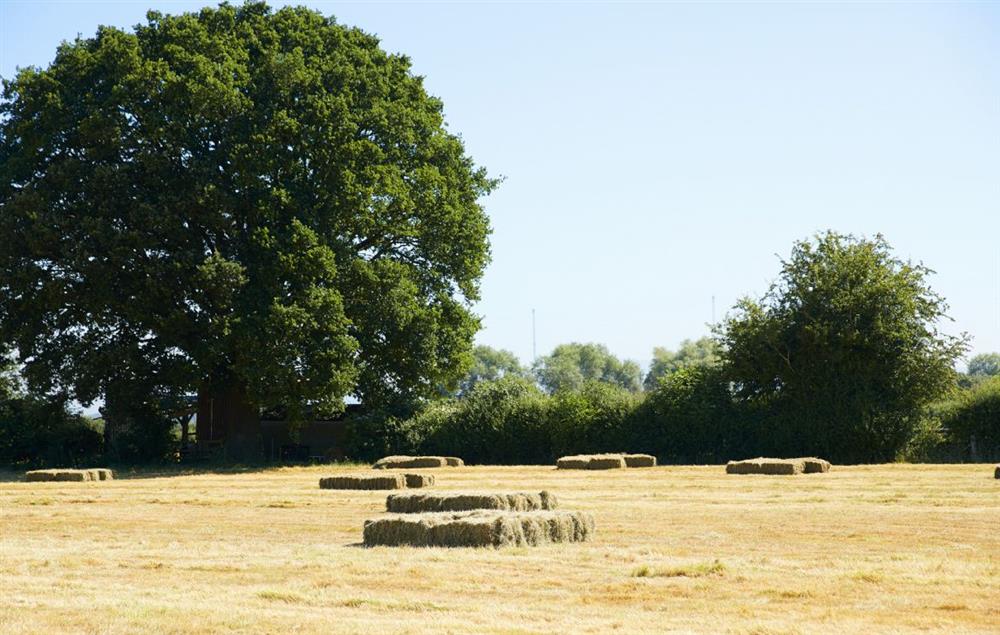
116,421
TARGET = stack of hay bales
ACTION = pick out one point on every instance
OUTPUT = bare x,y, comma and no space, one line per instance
479,529
403,462
64,475
605,461
381,481
778,466
459,502
476,520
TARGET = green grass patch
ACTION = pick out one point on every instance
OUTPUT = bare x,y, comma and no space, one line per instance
699,570
282,596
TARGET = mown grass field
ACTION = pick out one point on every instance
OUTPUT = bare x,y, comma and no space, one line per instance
894,548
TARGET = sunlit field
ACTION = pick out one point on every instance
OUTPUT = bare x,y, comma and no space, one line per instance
900,548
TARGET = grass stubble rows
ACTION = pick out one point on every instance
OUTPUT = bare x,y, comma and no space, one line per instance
892,548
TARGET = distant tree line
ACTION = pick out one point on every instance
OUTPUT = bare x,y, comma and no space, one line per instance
841,358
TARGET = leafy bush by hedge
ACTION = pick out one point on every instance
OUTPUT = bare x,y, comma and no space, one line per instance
974,423
689,418
592,420
40,433
374,434
499,422
929,444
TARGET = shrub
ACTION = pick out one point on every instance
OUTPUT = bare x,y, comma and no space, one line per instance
150,440
35,432
377,433
974,423
931,442
689,418
591,420
927,441
500,422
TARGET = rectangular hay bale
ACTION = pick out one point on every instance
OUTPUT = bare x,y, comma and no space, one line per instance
419,480
365,482
606,462
591,462
454,461
38,476
575,462
639,460
766,466
812,465
59,475
409,462
467,501
478,529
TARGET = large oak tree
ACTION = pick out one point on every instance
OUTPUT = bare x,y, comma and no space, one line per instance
260,205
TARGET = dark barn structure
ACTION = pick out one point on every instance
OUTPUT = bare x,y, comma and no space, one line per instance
232,430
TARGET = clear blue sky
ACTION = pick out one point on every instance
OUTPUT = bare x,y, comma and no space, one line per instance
658,154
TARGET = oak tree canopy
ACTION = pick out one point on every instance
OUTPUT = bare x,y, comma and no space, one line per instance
239,200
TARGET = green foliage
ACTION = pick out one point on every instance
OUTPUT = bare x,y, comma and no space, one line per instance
145,436
502,421
236,197
10,381
842,355
689,417
985,365
964,381
692,415
570,366
927,442
703,351
974,421
489,364
38,433
590,420
384,431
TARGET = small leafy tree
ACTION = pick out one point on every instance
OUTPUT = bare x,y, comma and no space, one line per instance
985,365
570,366
844,351
703,351
489,364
